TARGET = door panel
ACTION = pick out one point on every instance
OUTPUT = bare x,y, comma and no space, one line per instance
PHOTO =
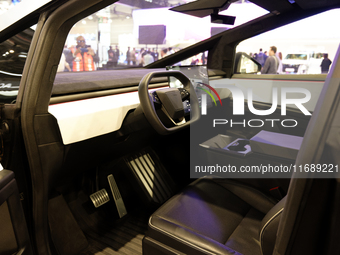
14,233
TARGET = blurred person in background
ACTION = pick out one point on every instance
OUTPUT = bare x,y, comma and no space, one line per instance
133,56
140,57
128,56
116,55
325,63
164,52
155,54
109,64
204,58
261,57
147,58
109,51
170,51
194,60
69,58
272,63
83,56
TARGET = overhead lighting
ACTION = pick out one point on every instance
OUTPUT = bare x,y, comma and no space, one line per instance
83,21
11,51
90,17
127,17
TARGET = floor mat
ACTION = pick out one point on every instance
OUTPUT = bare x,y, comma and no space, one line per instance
109,236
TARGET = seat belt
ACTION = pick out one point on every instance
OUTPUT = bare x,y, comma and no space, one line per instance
276,193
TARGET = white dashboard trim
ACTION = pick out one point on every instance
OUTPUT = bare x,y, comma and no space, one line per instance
85,119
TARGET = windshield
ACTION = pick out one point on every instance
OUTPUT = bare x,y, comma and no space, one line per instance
296,56
133,33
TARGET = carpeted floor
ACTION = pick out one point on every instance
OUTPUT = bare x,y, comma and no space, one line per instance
109,236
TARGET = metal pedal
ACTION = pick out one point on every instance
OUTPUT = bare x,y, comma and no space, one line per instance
99,198
116,196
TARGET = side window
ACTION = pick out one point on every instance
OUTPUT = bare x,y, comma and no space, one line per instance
305,47
13,54
246,64
196,60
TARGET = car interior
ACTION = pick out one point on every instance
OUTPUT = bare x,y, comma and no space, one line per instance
103,162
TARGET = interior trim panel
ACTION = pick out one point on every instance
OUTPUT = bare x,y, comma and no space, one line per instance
84,119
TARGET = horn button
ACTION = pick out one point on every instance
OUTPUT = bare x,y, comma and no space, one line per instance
172,102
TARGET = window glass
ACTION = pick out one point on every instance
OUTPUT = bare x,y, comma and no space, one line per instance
133,33
5,5
304,47
13,54
247,65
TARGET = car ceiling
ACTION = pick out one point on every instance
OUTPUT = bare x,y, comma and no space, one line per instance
287,5
274,6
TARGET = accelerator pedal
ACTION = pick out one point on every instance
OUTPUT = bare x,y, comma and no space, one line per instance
116,196
99,198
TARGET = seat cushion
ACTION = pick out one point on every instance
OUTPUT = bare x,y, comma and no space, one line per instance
212,216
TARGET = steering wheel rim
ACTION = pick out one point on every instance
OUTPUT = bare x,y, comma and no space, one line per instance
148,107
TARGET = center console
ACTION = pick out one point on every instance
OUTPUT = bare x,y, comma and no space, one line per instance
263,148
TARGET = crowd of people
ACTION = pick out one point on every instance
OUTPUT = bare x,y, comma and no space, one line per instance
271,61
83,58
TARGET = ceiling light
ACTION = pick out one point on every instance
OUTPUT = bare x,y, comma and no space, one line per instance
83,21
90,17
11,51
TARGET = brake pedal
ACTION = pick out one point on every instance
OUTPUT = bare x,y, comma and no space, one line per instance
116,196
99,198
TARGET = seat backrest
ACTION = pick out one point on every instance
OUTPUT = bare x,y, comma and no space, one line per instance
269,226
